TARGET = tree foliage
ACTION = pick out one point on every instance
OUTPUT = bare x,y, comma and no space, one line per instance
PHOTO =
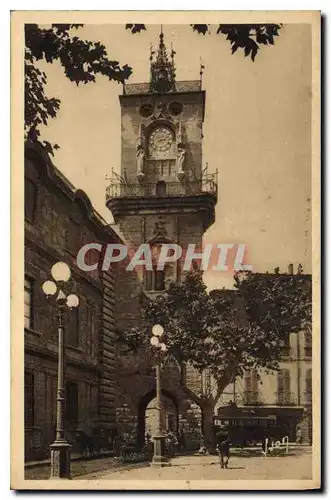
248,37
81,60
227,332
277,303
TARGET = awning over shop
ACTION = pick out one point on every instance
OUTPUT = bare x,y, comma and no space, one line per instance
258,412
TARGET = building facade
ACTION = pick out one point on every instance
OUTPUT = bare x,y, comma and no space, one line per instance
285,394
58,220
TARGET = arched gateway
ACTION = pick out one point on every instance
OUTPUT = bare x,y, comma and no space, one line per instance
136,410
147,422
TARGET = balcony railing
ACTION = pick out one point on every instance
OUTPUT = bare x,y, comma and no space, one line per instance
308,398
206,185
285,398
251,398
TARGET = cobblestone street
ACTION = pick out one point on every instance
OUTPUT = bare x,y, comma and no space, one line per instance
207,468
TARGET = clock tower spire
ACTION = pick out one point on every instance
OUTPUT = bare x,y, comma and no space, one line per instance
162,71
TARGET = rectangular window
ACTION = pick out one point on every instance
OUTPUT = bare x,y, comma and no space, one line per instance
28,302
72,413
72,327
155,280
284,388
30,199
28,399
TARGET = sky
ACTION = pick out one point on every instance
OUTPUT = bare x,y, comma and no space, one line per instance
257,133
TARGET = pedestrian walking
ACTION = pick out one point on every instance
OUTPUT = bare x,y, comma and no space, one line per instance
223,449
298,437
181,441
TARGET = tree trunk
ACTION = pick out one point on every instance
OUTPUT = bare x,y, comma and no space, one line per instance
208,426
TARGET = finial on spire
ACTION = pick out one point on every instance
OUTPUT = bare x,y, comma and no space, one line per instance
162,70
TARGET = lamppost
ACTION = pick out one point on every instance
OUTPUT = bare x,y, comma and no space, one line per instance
159,459
60,449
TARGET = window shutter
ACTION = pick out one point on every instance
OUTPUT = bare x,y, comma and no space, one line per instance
248,382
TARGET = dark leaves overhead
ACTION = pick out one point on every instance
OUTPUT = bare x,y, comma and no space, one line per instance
247,37
81,60
135,28
200,28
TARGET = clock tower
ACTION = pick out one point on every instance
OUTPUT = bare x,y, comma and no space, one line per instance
163,193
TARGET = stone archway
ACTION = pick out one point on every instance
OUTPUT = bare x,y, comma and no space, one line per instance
143,404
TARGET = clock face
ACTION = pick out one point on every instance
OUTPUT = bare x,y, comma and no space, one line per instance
160,139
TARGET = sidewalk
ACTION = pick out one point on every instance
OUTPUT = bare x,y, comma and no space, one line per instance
74,457
84,467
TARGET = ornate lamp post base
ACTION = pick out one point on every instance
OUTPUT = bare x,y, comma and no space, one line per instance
159,459
60,460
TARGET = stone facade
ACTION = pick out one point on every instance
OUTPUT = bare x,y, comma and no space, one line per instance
58,221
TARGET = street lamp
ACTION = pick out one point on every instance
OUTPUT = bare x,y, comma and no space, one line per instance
60,449
159,459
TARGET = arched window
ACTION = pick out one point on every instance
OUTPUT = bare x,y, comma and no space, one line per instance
284,387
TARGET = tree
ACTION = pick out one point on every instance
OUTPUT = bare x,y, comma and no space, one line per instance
81,60
219,333
248,37
277,302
